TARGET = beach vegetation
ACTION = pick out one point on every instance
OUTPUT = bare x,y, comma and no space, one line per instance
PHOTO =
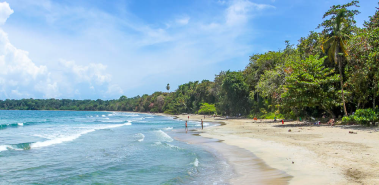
206,108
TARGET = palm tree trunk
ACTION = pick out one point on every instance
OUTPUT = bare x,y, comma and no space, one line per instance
341,80
373,102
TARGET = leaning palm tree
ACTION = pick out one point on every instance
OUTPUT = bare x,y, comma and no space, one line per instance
337,31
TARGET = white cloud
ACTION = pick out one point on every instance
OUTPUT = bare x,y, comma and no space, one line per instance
183,21
20,77
5,12
114,89
136,51
89,73
240,10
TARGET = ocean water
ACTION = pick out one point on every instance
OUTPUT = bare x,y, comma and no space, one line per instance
69,147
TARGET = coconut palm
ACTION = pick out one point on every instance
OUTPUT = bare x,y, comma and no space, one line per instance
168,87
337,30
336,44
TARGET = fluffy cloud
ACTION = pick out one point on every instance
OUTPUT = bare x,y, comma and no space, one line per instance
20,77
238,11
141,54
5,12
89,73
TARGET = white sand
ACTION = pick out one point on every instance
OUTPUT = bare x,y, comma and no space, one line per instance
321,155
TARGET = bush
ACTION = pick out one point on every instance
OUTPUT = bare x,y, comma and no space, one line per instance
206,108
363,116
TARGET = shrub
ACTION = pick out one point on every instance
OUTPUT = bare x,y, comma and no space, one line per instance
206,108
363,116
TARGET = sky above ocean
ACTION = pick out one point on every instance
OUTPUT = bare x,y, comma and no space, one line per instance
105,49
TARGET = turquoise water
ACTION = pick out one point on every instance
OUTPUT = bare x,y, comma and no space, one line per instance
68,147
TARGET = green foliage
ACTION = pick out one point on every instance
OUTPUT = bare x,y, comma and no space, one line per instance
363,116
206,108
235,94
271,115
373,23
308,84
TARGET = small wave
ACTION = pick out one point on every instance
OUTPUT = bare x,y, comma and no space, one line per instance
113,121
157,143
164,136
149,117
174,147
8,125
20,146
141,136
204,124
3,147
196,162
102,115
130,115
168,128
73,137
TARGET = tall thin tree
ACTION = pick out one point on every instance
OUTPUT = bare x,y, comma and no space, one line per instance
337,30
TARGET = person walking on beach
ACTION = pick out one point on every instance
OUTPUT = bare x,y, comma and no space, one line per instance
282,122
188,117
202,125
186,127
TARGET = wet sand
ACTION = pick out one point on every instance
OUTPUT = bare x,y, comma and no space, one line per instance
248,168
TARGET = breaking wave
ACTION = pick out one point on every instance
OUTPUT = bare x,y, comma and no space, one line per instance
163,136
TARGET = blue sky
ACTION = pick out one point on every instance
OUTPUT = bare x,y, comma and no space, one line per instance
105,49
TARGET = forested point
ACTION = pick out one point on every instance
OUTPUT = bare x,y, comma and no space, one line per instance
332,72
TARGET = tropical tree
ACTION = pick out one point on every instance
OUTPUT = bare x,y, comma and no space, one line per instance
337,30
309,84
168,87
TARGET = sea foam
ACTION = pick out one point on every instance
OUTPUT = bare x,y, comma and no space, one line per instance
74,136
196,162
141,136
3,147
165,137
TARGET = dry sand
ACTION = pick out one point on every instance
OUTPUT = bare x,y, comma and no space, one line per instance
310,154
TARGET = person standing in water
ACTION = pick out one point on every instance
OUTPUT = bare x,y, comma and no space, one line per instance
186,127
202,125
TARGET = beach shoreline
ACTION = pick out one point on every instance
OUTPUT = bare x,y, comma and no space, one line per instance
310,154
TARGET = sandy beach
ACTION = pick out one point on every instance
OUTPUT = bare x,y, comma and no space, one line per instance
310,154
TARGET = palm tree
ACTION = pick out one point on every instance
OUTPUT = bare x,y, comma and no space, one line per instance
336,44
168,87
